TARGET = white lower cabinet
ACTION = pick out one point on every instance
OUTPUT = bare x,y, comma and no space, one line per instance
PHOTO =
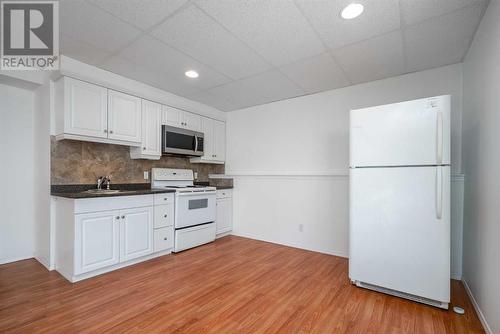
97,235
136,233
224,220
164,238
96,240
163,222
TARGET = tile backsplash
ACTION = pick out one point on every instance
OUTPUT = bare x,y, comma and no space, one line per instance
78,162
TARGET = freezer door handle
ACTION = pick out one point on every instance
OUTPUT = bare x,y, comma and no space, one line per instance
439,138
439,192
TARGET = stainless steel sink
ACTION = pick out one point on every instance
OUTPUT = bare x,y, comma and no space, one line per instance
106,191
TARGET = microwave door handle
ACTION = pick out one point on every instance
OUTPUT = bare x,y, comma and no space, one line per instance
195,143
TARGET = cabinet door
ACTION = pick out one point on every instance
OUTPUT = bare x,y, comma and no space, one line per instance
171,116
151,128
124,117
191,121
136,233
219,140
96,240
85,109
224,219
207,127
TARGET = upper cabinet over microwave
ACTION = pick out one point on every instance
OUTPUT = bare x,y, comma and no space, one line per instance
180,119
90,112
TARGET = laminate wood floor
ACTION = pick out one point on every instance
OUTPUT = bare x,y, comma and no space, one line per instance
234,285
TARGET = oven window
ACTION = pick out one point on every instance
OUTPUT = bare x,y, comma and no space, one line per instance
198,204
180,141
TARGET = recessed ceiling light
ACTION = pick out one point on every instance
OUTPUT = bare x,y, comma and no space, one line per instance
352,11
192,74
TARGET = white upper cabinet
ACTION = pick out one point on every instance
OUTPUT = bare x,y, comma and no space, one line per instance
171,116
124,117
214,148
181,119
85,108
220,140
191,121
151,132
207,127
84,111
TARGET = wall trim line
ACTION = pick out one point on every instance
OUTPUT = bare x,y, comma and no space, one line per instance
480,314
334,172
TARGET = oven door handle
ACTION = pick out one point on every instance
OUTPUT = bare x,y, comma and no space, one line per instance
197,193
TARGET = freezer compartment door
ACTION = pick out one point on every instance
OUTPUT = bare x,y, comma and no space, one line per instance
399,230
410,133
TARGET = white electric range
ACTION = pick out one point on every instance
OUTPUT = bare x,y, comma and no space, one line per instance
195,210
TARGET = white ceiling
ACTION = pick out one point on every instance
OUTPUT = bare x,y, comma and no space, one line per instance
259,51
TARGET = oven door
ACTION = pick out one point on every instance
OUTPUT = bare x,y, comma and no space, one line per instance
181,141
194,208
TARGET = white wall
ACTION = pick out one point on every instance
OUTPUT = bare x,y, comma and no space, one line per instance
290,158
41,185
16,168
481,137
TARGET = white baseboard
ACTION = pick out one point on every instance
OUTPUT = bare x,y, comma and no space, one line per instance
15,259
480,314
45,262
456,276
338,254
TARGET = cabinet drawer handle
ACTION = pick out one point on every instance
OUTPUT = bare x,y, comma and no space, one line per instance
165,199
165,216
144,149
165,238
105,131
117,217
123,217
110,131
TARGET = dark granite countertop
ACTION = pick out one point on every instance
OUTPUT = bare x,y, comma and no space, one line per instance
223,187
77,191
219,187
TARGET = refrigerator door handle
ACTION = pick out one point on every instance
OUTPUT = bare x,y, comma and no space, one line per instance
439,138
439,192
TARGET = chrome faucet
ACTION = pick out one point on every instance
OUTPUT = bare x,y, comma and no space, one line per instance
103,180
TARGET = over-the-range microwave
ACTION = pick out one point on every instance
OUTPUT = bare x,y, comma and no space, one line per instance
181,141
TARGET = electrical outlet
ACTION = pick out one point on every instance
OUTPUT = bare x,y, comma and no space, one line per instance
146,175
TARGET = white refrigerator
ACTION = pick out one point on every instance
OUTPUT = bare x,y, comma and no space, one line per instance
399,231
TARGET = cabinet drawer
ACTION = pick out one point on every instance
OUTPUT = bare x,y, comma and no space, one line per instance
164,198
164,238
225,193
164,215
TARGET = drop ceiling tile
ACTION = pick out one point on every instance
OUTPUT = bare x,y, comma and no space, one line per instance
379,17
155,78
275,29
212,100
373,59
441,41
141,13
416,11
81,51
259,89
157,56
89,24
316,74
198,35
